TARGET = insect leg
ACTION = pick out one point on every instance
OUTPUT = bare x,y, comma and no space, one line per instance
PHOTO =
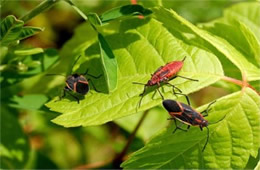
178,127
187,78
187,98
75,97
206,140
90,75
160,93
207,109
93,85
142,96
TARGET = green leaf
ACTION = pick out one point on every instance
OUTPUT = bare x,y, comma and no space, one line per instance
109,64
94,19
154,121
14,146
30,102
249,70
140,47
32,65
231,140
28,32
248,13
127,10
10,30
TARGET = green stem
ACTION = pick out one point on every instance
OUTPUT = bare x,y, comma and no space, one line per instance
39,9
77,9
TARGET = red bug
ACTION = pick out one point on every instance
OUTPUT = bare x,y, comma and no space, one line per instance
163,75
187,115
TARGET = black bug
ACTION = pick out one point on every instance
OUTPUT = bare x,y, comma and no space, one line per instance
187,115
77,83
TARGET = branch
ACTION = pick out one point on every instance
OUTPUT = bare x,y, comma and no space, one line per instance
120,157
242,84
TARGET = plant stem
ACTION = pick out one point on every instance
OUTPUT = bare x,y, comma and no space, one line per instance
77,9
39,9
242,84
119,158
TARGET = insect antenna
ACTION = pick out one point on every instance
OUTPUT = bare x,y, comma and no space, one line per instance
208,132
206,140
138,83
75,62
217,121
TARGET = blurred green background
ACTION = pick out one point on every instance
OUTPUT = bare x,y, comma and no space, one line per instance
53,146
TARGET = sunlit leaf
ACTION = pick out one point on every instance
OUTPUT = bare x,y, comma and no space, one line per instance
231,141
249,70
140,47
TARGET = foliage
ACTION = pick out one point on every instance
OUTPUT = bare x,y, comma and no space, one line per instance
126,44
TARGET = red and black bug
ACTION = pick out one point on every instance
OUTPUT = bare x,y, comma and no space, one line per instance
187,115
162,76
77,83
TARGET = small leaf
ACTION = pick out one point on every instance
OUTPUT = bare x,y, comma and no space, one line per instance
10,30
109,64
231,141
28,32
94,19
14,146
30,51
127,10
29,66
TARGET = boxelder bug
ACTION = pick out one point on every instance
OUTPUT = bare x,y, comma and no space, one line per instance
188,116
163,75
77,83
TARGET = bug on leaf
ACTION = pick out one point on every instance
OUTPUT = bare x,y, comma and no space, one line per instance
187,115
162,76
77,83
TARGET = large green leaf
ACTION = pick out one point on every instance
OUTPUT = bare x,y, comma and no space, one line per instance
14,146
109,63
10,29
231,141
249,70
140,47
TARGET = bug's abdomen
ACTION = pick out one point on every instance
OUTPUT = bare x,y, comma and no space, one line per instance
173,68
82,87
